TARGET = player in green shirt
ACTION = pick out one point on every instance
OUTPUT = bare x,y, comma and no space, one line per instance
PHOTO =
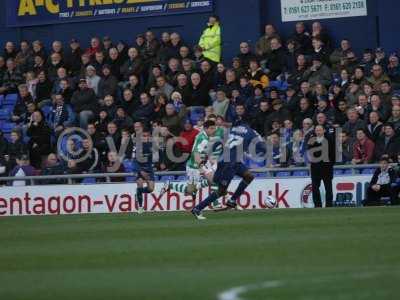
207,148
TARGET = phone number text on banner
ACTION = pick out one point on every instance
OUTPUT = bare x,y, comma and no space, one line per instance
299,10
39,12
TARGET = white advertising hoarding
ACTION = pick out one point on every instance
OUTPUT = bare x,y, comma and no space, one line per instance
301,10
120,198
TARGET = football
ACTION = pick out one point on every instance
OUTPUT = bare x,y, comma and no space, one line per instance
270,202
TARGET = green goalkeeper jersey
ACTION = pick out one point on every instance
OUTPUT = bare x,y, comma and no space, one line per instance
201,146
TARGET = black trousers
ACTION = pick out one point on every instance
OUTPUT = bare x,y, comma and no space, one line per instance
322,173
374,198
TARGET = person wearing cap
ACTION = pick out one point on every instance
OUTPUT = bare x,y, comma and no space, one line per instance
73,57
92,79
318,72
84,102
377,77
388,144
210,40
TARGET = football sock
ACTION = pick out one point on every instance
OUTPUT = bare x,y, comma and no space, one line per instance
239,190
206,202
139,196
179,187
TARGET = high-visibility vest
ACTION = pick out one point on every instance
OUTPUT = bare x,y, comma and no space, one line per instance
210,41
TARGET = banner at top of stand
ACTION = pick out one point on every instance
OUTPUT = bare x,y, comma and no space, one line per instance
39,12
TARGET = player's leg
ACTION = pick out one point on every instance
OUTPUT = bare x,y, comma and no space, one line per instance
208,172
197,211
247,178
139,193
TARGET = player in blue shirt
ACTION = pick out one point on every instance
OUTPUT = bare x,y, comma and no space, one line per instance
242,139
143,155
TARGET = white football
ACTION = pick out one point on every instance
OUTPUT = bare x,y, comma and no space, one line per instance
270,202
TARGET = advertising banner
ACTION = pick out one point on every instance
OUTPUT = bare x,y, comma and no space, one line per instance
301,10
120,198
38,12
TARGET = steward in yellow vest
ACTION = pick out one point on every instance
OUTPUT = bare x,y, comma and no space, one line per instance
210,40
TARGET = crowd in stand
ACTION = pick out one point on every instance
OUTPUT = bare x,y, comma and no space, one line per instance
113,89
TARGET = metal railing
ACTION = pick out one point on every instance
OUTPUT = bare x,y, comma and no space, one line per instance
269,172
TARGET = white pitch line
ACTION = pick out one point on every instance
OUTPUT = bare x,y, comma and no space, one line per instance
234,293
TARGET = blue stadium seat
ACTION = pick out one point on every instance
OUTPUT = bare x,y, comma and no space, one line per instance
338,172
4,114
282,174
7,127
350,172
181,178
368,171
261,175
8,107
300,173
128,165
1,100
10,99
130,179
8,136
166,178
89,180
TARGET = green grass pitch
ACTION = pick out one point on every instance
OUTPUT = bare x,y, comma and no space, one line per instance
310,254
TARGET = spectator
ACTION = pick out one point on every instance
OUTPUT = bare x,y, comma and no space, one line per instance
73,57
318,72
341,114
20,108
221,104
122,119
199,92
375,127
210,40
381,184
388,144
173,120
61,116
114,165
134,64
395,118
83,102
16,146
245,55
276,59
53,167
319,32
163,87
323,107
114,62
92,79
187,137
377,106
345,148
363,150
302,37
22,169
11,78
339,55
256,75
393,70
386,93
377,77
95,46
296,76
320,50
304,111
145,111
259,121
108,84
354,123
39,143
9,51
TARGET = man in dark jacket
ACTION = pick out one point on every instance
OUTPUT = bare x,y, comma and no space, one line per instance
321,154
53,168
261,116
11,79
84,102
381,184
304,111
276,59
388,144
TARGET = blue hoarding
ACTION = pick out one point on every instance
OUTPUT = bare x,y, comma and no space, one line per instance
39,12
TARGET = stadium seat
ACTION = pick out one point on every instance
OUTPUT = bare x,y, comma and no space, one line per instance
368,171
166,178
89,180
261,175
1,100
348,172
338,172
130,179
46,111
300,173
128,165
7,127
4,114
282,174
181,178
10,99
